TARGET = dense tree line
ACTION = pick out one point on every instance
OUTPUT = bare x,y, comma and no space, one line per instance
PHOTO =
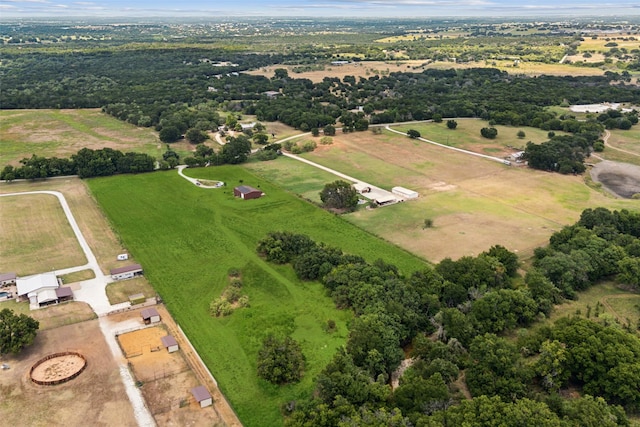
601,244
85,163
466,305
179,88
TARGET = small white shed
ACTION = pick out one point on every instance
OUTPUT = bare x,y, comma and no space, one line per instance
202,396
170,343
404,192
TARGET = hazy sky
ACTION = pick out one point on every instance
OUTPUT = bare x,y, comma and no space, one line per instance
320,8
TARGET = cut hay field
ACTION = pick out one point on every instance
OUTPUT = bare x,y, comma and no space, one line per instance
90,219
43,239
474,203
187,238
62,133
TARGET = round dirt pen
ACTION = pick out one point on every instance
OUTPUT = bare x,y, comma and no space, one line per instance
58,368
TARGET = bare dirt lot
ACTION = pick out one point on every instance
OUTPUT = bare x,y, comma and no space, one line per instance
96,397
621,179
165,379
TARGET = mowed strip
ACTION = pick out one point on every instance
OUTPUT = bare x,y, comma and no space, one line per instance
37,235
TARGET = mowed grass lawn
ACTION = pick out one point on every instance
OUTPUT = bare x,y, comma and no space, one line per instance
187,238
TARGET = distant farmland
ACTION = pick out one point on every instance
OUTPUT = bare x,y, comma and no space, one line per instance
187,238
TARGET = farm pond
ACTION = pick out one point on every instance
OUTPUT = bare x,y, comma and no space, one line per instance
621,179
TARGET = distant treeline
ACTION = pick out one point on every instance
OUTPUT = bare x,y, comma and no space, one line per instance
179,89
85,163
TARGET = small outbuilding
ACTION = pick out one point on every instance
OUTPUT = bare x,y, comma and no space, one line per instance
245,192
202,396
127,272
7,279
386,200
404,192
64,293
170,343
150,315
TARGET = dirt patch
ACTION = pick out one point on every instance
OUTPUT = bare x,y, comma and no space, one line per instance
620,179
96,397
57,368
165,379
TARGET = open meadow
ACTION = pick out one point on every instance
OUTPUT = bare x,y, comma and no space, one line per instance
623,146
467,136
474,203
366,69
61,133
188,238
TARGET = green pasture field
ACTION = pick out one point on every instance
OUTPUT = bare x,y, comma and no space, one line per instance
295,176
467,135
627,140
61,133
474,203
188,238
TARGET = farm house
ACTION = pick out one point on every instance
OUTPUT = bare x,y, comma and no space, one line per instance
150,315
245,192
202,396
40,289
127,272
170,343
7,279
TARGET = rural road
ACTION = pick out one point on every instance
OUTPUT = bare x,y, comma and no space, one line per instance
93,293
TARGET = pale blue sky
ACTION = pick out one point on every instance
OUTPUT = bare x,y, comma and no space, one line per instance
319,8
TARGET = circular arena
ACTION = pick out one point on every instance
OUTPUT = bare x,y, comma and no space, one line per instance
58,368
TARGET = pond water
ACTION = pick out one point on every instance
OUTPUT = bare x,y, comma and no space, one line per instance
621,179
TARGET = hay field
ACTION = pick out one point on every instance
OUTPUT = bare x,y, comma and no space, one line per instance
37,235
368,69
99,235
467,136
598,44
474,203
61,133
